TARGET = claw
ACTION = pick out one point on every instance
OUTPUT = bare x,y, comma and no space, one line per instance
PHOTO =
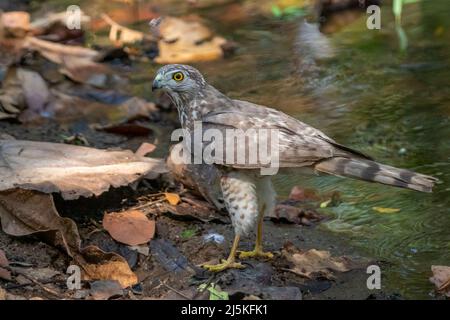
256,253
226,264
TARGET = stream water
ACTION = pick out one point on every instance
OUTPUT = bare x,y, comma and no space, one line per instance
371,96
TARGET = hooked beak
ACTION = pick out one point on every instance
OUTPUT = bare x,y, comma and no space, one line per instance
157,83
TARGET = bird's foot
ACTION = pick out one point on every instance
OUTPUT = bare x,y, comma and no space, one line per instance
256,253
226,264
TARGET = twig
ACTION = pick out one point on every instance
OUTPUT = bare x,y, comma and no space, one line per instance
148,204
36,282
195,203
21,285
176,291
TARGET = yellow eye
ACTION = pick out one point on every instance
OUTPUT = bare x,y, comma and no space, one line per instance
178,76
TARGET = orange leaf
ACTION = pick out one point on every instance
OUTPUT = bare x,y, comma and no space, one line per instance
129,227
172,198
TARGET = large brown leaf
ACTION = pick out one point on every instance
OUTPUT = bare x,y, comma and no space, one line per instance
73,171
25,212
130,227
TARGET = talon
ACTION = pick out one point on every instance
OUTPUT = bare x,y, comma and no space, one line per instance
256,253
223,266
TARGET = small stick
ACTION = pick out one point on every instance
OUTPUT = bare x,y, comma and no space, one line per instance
36,282
176,291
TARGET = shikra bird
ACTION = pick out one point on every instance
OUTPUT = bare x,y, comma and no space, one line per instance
247,194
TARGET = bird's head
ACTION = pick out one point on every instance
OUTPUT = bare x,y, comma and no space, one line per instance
178,80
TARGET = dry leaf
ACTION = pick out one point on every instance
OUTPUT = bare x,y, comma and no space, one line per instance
105,289
120,34
5,274
16,23
316,263
53,18
84,70
2,294
300,194
73,171
129,227
67,108
185,211
187,41
441,279
37,273
291,214
25,212
3,260
56,52
35,90
172,198
385,210
145,149
99,265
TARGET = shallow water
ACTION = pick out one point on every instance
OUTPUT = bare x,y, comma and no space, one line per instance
394,106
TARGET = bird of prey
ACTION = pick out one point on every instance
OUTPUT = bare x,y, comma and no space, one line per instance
247,194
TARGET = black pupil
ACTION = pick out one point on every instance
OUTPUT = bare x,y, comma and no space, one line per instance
178,76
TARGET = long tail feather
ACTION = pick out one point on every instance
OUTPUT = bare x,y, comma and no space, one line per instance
375,172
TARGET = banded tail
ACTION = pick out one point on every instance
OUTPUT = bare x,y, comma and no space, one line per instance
368,170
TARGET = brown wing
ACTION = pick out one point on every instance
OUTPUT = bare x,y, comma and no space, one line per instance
299,144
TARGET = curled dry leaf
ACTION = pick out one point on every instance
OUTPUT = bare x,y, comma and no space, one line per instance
99,265
25,212
317,263
441,278
73,171
129,227
172,198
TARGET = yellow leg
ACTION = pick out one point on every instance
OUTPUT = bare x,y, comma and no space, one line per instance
229,263
258,251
